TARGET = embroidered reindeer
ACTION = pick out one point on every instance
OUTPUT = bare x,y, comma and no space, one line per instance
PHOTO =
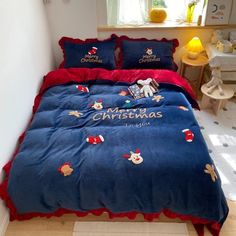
149,51
97,105
135,157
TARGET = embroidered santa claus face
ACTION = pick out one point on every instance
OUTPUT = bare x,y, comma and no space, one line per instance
97,105
135,157
92,51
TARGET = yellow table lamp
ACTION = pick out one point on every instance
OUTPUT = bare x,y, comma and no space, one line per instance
194,47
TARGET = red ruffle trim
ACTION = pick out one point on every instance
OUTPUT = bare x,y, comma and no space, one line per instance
80,42
174,42
214,227
198,223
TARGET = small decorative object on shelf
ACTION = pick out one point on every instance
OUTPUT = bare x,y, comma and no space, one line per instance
158,13
199,20
218,12
190,10
216,36
224,46
232,37
234,49
194,47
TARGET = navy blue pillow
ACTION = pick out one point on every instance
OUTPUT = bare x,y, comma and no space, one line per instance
147,54
90,53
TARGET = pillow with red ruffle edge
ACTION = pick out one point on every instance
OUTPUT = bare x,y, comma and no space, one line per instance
142,53
89,53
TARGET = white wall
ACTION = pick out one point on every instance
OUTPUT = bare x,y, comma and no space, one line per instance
71,18
80,19
25,56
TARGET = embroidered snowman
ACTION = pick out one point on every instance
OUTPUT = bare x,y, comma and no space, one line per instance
135,157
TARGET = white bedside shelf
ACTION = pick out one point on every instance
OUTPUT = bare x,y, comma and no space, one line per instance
228,64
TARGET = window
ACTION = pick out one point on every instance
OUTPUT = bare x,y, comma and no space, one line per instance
121,12
135,12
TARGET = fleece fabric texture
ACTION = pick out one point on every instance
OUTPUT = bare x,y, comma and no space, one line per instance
91,146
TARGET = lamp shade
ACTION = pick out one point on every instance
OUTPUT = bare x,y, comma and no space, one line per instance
194,47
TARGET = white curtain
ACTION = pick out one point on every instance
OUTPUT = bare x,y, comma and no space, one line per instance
177,12
132,12
135,12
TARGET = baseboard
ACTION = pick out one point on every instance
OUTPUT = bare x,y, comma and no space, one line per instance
4,221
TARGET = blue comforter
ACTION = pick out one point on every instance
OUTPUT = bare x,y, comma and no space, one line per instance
91,145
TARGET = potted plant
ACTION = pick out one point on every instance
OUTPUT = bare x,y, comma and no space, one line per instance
190,10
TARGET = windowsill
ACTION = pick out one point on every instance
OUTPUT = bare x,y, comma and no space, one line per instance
165,25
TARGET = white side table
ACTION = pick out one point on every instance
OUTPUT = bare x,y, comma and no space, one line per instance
215,100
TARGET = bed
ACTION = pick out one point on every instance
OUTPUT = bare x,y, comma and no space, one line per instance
92,148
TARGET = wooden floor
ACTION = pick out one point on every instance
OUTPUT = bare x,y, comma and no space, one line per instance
63,226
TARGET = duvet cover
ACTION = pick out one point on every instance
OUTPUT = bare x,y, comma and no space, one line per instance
92,148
